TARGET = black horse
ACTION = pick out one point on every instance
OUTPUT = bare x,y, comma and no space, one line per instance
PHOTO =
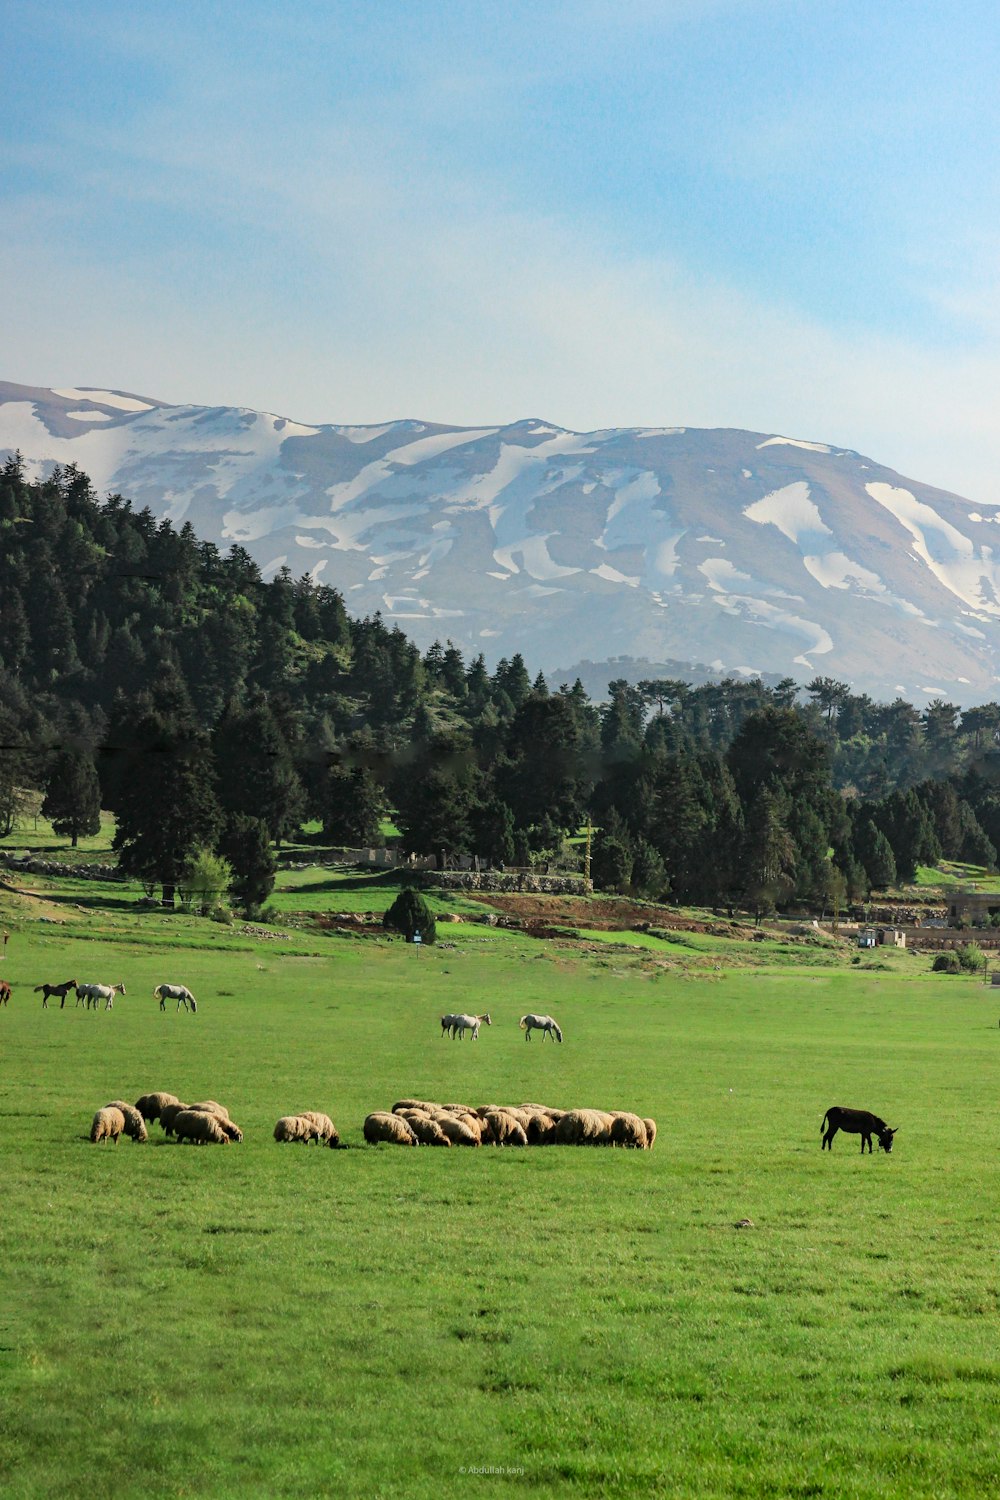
856,1122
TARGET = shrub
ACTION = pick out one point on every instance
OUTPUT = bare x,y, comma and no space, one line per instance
946,963
970,958
410,914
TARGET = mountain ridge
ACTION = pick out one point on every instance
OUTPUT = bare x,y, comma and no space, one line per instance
747,552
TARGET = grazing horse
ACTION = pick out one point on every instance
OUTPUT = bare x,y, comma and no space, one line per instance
62,990
93,994
4,992
856,1122
461,1024
544,1024
178,992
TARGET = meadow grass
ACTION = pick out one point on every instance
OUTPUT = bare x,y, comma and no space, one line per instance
264,1320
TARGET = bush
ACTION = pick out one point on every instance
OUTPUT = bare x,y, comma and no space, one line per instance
971,958
410,914
946,963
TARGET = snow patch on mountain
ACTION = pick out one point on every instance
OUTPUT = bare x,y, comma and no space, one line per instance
796,443
970,573
106,398
793,513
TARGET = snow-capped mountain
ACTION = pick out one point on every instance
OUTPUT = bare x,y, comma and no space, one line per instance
747,551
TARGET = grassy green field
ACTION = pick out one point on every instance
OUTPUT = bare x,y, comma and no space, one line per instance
264,1320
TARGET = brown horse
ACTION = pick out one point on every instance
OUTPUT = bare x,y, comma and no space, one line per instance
4,992
62,990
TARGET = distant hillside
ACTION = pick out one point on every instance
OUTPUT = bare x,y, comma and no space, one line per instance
749,552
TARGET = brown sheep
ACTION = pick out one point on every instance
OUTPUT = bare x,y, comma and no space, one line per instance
458,1132
541,1130
150,1105
168,1115
382,1126
107,1125
628,1130
328,1135
198,1126
209,1107
135,1125
584,1127
427,1131
228,1128
295,1128
502,1129
650,1133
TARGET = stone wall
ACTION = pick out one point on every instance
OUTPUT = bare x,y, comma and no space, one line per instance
510,881
34,866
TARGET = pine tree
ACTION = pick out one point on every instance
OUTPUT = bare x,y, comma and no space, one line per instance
245,845
73,795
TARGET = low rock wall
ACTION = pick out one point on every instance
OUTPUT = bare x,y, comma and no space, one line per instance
33,866
493,880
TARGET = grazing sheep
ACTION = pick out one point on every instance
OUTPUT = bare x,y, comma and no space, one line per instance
503,1129
650,1133
296,1128
209,1107
169,1114
135,1125
541,1130
584,1127
204,1129
107,1125
413,1104
628,1130
151,1105
327,1131
458,1132
382,1126
228,1128
427,1131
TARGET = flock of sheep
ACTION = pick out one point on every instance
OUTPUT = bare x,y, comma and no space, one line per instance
206,1123
410,1122
419,1122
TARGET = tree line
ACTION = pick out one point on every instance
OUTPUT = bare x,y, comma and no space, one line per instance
214,712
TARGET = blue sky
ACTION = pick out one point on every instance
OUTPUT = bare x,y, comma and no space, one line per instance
775,214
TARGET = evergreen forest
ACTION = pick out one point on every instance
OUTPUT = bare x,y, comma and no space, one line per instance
215,713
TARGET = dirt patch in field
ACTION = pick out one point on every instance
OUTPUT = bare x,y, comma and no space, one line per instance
539,914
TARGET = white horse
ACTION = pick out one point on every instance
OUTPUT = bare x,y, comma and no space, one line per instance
544,1024
461,1024
93,994
178,992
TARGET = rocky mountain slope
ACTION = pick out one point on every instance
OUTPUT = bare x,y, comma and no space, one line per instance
743,551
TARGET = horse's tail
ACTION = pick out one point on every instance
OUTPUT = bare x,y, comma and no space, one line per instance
523,1023
822,1128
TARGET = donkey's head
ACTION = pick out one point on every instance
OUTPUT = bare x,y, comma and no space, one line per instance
885,1138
